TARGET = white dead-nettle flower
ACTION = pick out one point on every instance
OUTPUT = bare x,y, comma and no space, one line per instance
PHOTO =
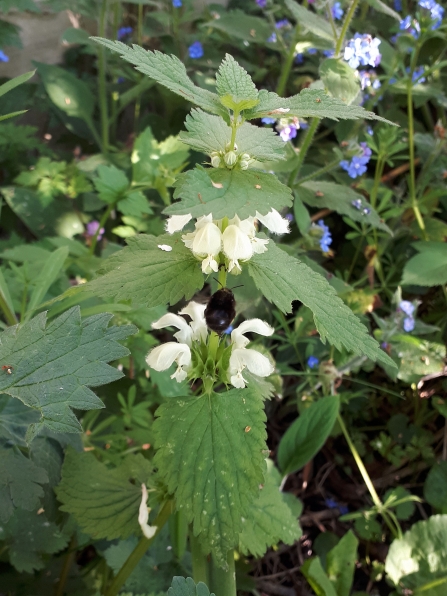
175,223
143,515
242,357
205,242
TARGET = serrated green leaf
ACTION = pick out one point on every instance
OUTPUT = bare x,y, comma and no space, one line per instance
311,21
104,501
148,275
435,486
111,183
54,364
316,576
240,25
29,536
270,519
20,481
168,71
187,587
209,133
339,79
225,193
307,435
418,561
339,198
382,7
135,204
234,83
429,267
211,463
282,279
340,564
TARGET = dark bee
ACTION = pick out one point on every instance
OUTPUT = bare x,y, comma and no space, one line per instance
221,310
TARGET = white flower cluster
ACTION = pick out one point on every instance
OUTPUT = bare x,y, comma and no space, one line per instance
163,356
236,241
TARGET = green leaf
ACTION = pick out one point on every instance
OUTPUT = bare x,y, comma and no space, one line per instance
104,501
418,561
20,481
418,357
168,71
29,536
234,85
435,486
148,275
197,439
405,508
307,435
316,576
54,365
186,587
382,7
429,267
239,25
339,79
47,276
339,198
135,204
340,564
209,133
15,82
69,93
111,183
225,193
282,279
270,519
311,21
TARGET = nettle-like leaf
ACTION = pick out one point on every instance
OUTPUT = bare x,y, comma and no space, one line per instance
168,71
282,279
111,183
211,456
103,501
225,193
428,268
20,483
339,198
149,275
182,586
209,133
312,22
239,25
235,86
53,365
270,520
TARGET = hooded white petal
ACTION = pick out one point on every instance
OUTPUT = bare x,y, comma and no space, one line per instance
176,223
207,240
242,358
198,324
236,244
143,515
274,222
163,356
172,320
251,325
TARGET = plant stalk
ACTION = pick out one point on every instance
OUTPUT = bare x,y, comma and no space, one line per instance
345,26
223,581
304,148
102,223
102,82
287,65
200,567
68,561
10,316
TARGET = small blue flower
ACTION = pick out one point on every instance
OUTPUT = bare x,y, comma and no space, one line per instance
410,26
398,5
366,211
369,130
288,132
312,362
357,203
124,32
272,38
195,50
362,50
299,58
436,11
417,76
337,11
384,345
406,307
332,504
3,57
326,238
261,3
409,324
356,167
120,80
368,78
289,217
268,120
312,51
228,330
282,24
177,3
328,53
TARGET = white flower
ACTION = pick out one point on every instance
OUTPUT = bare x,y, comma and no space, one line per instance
205,242
274,222
242,358
163,356
248,227
177,222
143,515
198,324
171,320
236,244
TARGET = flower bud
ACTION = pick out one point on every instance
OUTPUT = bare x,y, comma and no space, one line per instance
215,159
230,159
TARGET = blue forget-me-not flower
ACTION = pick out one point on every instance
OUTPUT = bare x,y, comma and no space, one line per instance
195,50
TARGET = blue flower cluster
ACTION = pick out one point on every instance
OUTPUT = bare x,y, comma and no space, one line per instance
436,11
418,73
261,3
410,26
368,78
124,32
357,165
332,504
3,57
282,24
312,361
177,3
357,203
363,49
407,307
326,238
337,11
268,120
195,50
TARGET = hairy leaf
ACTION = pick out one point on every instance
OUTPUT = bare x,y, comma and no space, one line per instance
339,198
428,268
311,21
240,25
104,501
282,279
111,183
270,519
234,85
210,453
53,365
148,275
227,192
186,587
168,71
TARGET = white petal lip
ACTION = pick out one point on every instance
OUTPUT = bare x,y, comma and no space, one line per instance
274,222
257,363
163,356
198,324
236,244
175,223
251,325
171,320
143,515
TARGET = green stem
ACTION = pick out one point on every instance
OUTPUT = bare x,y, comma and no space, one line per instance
223,582
178,530
140,43
377,177
102,82
234,127
200,568
413,199
330,166
102,223
345,26
287,65
68,561
10,316
139,551
310,132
